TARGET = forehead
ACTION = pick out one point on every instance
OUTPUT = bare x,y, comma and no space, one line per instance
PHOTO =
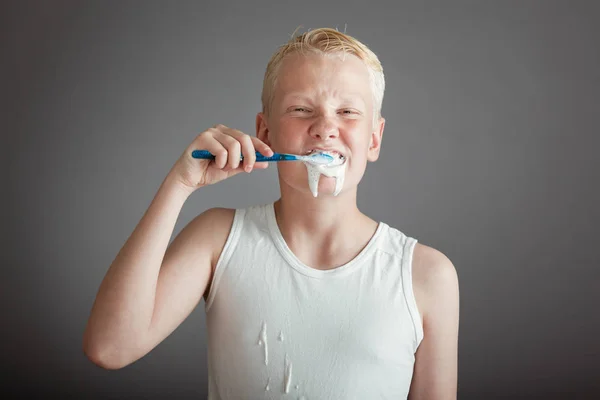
345,75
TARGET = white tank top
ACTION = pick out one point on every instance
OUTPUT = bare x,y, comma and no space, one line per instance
278,329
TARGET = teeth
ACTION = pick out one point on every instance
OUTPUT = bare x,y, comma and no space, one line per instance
331,153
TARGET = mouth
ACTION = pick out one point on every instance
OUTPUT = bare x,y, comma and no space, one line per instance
338,158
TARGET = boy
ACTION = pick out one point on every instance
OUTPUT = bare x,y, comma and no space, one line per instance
307,296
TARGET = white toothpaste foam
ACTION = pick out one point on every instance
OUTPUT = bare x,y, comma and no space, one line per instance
336,170
262,341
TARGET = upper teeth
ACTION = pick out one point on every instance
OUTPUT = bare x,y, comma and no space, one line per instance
331,153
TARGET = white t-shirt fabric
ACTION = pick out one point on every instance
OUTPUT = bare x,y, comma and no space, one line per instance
279,329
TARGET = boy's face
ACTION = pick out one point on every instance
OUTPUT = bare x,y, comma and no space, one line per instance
322,103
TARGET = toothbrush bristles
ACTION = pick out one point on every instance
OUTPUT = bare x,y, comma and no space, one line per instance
322,158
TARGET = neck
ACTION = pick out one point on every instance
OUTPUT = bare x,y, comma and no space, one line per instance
323,214
325,231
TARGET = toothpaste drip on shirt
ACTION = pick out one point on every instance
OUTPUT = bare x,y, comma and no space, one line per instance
337,170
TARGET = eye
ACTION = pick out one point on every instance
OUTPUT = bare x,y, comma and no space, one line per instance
348,112
301,109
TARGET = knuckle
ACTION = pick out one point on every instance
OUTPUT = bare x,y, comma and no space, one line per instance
221,153
235,145
228,140
246,140
206,133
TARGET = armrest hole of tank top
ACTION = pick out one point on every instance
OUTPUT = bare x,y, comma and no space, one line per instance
225,256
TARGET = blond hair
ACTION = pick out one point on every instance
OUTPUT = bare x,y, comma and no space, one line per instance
325,41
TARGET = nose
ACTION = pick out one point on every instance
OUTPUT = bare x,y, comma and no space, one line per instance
324,128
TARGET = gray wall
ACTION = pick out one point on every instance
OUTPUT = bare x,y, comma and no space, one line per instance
489,155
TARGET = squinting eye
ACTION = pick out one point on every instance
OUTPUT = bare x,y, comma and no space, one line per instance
299,109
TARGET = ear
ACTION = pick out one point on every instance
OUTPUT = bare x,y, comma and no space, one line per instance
375,140
262,130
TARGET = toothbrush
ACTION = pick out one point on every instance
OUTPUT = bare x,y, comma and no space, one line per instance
316,158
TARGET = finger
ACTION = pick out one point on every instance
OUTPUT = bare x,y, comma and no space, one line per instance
215,148
261,165
235,171
234,150
261,147
249,152
247,147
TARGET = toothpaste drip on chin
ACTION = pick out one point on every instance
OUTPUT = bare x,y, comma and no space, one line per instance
332,171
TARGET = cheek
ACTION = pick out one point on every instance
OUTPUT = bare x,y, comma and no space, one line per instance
287,135
293,126
358,162
360,142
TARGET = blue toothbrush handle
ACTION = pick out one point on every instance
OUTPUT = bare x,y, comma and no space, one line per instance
206,155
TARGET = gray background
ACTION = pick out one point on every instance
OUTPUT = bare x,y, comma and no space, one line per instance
489,155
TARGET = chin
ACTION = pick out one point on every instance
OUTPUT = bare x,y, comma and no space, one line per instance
326,187
295,177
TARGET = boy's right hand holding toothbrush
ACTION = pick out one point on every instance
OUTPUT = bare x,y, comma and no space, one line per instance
228,145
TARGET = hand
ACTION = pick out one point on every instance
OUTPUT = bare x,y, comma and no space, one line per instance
227,145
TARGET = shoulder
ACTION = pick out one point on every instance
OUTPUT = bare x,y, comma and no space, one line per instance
435,279
431,264
218,219
211,229
207,234
214,215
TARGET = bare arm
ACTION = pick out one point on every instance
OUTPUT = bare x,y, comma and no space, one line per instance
150,289
186,272
436,289
119,328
